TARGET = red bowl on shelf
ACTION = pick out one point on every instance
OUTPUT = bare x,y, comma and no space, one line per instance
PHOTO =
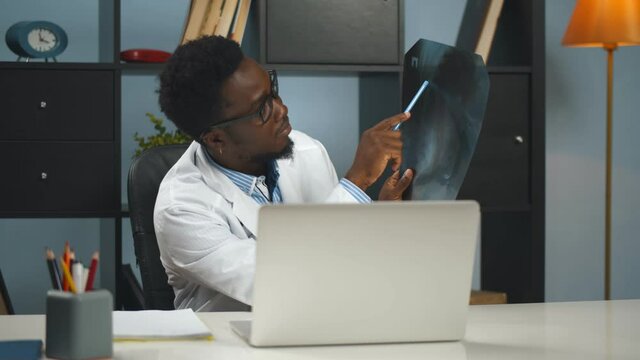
144,56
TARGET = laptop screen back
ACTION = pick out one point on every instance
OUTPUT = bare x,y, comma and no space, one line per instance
352,273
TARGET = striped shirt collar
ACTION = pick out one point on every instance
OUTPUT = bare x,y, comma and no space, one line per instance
246,182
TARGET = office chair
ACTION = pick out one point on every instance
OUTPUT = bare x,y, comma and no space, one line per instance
132,295
5,302
145,174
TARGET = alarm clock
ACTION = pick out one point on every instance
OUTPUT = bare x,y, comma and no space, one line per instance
36,39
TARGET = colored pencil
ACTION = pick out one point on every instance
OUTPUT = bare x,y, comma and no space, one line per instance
53,270
92,271
66,259
67,275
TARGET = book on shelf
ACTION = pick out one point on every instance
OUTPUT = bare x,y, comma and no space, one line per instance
195,20
214,11
237,31
226,18
478,26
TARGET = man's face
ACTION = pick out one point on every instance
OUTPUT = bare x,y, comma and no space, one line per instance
244,92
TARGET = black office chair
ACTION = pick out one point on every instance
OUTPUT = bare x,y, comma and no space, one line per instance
145,174
131,295
6,308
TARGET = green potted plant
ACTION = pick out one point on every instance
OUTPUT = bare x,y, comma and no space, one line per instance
161,137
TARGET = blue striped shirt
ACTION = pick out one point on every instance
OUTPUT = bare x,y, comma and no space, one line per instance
355,191
251,185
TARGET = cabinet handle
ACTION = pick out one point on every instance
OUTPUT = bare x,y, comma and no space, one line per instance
43,104
519,139
44,176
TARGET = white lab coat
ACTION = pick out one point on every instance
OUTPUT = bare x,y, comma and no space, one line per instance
206,226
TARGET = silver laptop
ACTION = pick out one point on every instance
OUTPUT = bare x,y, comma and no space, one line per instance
355,274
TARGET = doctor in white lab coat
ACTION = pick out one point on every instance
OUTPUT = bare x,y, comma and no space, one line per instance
246,154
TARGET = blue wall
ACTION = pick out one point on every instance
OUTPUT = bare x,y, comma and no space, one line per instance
77,17
22,243
576,105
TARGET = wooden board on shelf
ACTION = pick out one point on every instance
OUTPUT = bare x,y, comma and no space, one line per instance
212,17
228,12
195,20
226,18
237,32
489,29
478,26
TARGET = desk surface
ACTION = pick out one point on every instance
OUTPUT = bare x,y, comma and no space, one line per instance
577,330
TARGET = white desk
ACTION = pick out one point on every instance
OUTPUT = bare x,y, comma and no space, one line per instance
579,330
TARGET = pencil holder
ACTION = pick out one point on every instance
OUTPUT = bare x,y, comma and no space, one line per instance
79,326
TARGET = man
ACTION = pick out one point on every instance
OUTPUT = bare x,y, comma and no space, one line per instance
245,155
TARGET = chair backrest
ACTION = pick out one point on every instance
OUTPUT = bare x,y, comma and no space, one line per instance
5,302
131,295
145,174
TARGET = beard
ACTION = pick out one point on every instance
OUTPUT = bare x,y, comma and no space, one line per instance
285,153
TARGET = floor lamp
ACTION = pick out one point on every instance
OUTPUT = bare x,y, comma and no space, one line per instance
607,24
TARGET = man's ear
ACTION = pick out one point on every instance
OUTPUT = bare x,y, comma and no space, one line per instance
215,139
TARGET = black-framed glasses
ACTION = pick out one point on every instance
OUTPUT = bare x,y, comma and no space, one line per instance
264,111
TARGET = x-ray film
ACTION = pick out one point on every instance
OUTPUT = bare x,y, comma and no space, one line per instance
441,136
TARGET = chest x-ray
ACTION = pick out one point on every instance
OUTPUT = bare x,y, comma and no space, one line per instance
441,136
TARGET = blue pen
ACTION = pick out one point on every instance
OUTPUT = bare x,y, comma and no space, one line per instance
413,101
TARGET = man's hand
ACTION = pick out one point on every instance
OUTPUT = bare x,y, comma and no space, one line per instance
395,186
378,145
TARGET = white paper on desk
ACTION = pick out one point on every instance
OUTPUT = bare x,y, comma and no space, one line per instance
158,325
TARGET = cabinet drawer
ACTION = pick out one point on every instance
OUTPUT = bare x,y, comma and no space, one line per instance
498,175
57,177
56,105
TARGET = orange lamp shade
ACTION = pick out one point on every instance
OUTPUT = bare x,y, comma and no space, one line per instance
604,23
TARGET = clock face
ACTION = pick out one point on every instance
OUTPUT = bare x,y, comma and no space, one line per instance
42,39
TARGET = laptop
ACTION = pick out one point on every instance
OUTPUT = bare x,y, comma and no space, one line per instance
385,272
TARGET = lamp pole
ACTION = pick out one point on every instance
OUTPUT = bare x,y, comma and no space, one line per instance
610,48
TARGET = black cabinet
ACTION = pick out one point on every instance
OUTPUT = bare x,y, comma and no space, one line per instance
57,137
505,177
507,171
57,177
508,261
499,173
56,105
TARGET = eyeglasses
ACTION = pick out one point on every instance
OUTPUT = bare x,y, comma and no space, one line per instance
264,111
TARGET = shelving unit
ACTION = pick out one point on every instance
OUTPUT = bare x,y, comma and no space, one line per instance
66,148
62,172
